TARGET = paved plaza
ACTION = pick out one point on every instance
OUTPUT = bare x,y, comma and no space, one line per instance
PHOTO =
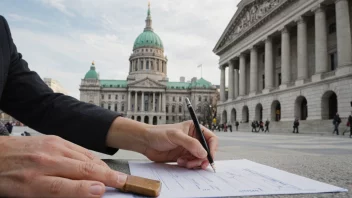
325,158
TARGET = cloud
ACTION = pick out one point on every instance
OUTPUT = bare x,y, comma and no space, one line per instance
59,5
19,18
104,31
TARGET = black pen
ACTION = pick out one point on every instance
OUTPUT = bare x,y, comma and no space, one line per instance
200,133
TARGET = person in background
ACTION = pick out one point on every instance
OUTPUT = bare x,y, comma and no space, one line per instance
350,121
295,126
254,126
9,127
237,124
267,123
225,127
230,127
3,130
336,122
261,126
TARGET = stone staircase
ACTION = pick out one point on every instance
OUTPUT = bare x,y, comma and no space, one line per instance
307,127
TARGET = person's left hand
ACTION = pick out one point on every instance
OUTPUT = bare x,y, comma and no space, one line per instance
179,143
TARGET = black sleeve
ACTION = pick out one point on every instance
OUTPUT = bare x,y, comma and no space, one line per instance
28,99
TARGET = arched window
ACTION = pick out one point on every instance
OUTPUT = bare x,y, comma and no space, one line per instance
180,109
123,107
200,98
116,107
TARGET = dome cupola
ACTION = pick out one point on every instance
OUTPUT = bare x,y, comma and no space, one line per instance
148,38
92,74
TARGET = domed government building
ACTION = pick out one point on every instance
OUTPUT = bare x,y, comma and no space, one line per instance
147,95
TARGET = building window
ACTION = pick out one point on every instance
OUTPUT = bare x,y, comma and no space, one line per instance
200,98
333,61
167,109
102,96
109,96
173,109
123,107
147,65
116,107
141,66
173,118
206,99
152,65
123,97
116,97
174,99
180,99
167,118
263,77
142,50
332,28
102,105
279,78
180,109
109,107
279,52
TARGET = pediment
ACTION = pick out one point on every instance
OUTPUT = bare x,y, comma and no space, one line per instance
248,15
147,83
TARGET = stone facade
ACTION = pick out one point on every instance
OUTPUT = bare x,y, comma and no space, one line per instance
147,95
286,59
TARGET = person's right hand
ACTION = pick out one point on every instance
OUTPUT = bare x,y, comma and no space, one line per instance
48,166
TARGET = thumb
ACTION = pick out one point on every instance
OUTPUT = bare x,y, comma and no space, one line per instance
189,143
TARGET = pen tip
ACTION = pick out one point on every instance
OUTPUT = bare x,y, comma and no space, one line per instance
213,166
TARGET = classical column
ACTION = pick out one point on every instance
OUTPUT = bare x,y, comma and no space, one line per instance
129,101
343,34
142,101
254,71
242,75
159,110
302,49
269,64
222,84
231,87
321,42
236,83
153,102
164,102
285,56
135,101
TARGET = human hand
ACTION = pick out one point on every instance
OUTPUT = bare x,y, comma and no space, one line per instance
48,166
179,143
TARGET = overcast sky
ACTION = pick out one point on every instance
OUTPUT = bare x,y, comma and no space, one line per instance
60,38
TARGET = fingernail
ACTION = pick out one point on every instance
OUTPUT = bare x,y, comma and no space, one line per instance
121,179
203,153
96,189
181,161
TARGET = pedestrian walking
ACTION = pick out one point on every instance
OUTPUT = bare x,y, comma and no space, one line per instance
3,130
230,127
350,121
336,122
225,127
237,124
261,126
295,126
254,126
267,123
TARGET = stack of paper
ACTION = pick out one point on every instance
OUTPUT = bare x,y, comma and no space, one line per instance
233,178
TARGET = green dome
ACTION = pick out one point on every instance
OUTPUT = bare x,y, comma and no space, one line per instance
148,39
91,74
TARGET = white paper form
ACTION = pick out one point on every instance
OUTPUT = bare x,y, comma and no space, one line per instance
233,178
